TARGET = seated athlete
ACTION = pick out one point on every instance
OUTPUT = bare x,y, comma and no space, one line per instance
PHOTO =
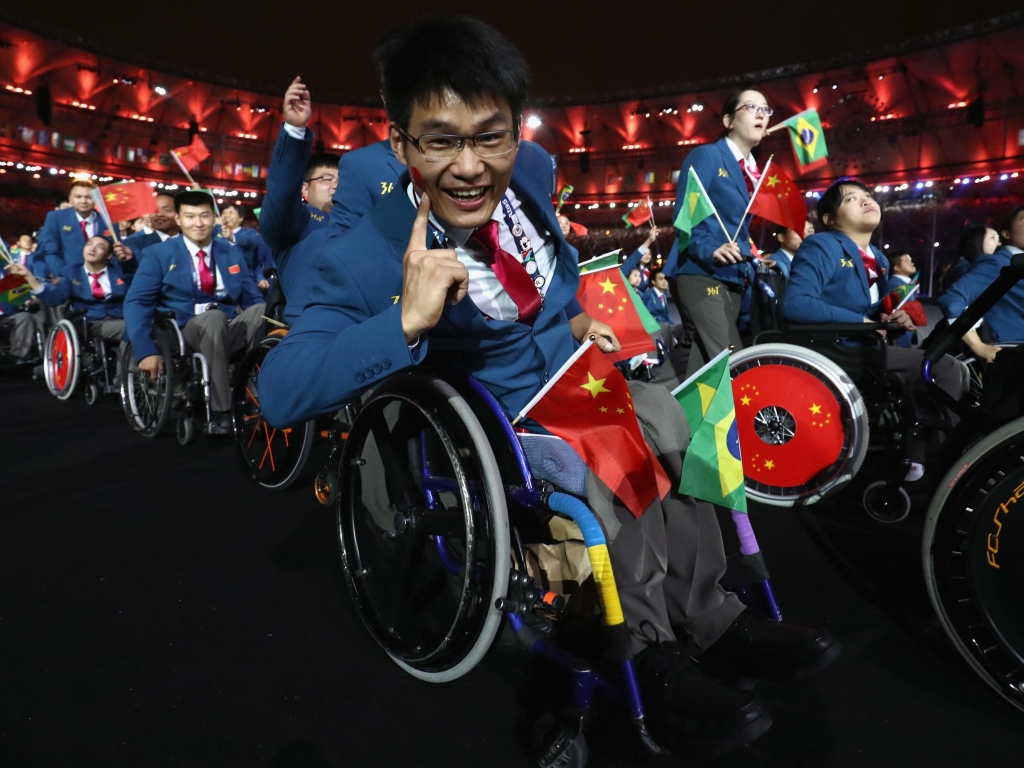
98,285
207,284
386,300
256,252
1006,319
838,276
163,224
656,298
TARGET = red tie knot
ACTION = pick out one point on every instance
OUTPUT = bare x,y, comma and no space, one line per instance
201,254
487,236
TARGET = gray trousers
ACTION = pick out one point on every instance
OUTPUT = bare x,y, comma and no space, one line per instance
667,562
950,374
109,328
20,328
714,309
217,338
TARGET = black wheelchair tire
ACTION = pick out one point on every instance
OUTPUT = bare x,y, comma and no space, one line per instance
472,631
92,393
244,408
159,407
958,562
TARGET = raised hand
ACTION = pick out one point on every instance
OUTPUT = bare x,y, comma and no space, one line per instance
431,278
298,107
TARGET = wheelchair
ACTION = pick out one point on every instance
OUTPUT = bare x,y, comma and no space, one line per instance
72,353
182,388
436,494
8,362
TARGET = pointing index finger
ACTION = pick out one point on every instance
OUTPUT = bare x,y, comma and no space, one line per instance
418,238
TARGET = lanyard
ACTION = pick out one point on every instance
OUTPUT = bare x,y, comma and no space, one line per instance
523,243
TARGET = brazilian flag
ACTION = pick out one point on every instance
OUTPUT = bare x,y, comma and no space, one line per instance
808,139
712,467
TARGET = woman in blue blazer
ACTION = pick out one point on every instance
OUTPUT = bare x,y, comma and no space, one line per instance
712,273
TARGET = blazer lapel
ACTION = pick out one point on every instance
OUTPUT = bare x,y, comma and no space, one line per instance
732,167
179,270
853,252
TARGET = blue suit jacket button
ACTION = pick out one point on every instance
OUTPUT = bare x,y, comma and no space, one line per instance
386,364
377,368
360,378
546,376
368,373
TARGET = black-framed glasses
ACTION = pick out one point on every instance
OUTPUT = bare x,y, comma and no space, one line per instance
326,179
443,146
757,109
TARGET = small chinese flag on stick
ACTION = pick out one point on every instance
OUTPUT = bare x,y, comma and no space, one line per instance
604,295
128,201
640,214
193,154
587,404
779,201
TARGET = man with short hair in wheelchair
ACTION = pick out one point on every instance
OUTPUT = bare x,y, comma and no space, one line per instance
839,277
205,283
416,281
97,286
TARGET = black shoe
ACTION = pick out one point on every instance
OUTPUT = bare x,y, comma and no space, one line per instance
686,708
221,423
774,650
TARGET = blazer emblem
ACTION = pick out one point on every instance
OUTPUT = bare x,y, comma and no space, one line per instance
120,281
234,269
75,282
394,299
171,267
723,172
386,186
67,228
845,262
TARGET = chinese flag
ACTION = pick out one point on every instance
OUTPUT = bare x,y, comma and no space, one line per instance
779,201
638,215
127,201
588,405
192,155
604,297
577,229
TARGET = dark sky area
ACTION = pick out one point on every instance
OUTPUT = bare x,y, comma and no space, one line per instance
575,49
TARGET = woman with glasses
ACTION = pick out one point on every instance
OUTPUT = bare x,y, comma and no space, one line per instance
714,269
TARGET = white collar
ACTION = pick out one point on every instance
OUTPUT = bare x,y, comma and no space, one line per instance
1013,249
739,155
90,217
90,272
193,249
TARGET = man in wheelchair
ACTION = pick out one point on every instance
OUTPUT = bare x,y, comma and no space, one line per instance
465,267
205,282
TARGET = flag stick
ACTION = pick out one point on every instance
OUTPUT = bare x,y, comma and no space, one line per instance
554,379
602,256
5,253
709,364
713,209
183,169
650,209
775,128
97,198
751,201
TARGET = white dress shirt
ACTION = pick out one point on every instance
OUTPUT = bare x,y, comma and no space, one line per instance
90,224
193,250
296,132
485,290
104,280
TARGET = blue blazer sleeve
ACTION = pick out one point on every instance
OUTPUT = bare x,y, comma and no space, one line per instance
633,262
352,198
811,272
283,217
316,368
980,276
56,291
139,305
264,258
49,238
250,291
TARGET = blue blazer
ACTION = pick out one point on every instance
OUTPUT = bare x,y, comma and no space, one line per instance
1006,318
285,218
61,236
255,252
74,285
164,282
633,262
140,241
783,263
829,284
657,305
349,337
366,177
719,172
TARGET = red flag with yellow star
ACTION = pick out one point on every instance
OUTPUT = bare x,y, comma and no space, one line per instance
780,201
127,201
191,155
587,404
604,297
790,425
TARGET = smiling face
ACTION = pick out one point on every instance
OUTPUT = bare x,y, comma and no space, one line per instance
858,212
96,253
745,126
196,222
163,220
231,217
463,190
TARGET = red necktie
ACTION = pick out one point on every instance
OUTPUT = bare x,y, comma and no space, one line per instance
871,265
206,281
510,273
97,289
749,175
85,234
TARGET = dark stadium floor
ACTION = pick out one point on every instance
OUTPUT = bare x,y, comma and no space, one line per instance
158,610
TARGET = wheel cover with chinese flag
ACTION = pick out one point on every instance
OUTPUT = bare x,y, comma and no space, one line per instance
61,360
795,428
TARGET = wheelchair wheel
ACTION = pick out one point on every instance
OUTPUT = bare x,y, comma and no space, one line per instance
884,505
974,555
62,360
92,393
274,458
803,426
423,527
147,401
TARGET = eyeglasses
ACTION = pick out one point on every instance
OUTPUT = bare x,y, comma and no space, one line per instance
326,179
442,146
757,109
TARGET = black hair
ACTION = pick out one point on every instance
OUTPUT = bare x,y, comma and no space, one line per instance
193,197
320,160
456,54
832,198
110,247
164,193
733,102
972,243
896,257
239,208
1007,223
